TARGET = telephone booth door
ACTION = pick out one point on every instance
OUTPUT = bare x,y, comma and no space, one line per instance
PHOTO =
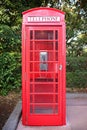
43,59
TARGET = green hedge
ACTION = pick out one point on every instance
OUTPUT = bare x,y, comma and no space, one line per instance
76,63
77,79
10,72
77,72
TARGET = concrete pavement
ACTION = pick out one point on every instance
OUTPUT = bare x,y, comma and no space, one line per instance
77,111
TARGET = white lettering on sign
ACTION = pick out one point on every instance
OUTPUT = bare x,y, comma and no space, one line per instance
44,19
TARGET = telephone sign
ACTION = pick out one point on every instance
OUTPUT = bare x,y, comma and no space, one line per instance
44,19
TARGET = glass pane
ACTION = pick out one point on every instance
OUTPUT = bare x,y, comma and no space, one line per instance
43,88
45,34
43,45
56,34
56,47
44,109
31,34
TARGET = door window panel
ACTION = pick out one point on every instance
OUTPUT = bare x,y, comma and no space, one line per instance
44,72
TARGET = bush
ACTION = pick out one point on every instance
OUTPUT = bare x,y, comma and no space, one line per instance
77,79
77,72
10,72
76,63
10,65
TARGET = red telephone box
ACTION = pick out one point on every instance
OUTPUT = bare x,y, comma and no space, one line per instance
43,67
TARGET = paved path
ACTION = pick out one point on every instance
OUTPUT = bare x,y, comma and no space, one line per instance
77,111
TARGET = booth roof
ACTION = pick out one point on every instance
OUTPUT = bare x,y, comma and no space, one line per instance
43,8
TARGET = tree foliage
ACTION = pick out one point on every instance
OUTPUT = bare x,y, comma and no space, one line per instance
76,22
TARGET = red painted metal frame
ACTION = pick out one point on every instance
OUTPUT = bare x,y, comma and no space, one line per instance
43,119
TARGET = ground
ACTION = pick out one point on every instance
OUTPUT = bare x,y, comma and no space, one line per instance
7,104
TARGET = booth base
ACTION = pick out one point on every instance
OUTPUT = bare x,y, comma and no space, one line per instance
22,127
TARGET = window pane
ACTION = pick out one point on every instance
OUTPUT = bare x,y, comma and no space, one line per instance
45,34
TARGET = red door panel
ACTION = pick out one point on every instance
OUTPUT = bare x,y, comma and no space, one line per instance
43,84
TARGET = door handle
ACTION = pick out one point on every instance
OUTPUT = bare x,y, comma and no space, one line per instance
60,67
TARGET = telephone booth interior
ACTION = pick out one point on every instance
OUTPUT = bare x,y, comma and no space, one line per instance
43,67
